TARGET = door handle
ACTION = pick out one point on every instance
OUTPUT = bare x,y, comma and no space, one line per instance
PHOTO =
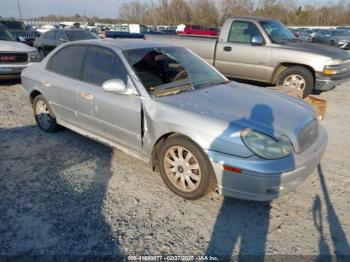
86,96
46,83
227,48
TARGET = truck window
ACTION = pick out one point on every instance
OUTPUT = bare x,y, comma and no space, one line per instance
242,32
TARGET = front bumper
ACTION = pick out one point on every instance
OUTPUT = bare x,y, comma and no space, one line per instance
8,71
324,83
264,180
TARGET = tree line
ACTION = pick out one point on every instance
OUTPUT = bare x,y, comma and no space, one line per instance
214,13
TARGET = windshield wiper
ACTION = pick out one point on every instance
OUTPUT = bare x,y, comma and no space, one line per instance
173,90
213,83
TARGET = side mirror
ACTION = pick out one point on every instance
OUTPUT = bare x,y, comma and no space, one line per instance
257,40
116,86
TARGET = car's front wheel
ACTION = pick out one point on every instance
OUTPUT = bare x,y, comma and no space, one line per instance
299,78
184,168
44,116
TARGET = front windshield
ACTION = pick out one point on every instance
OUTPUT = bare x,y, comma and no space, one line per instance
277,32
14,25
170,70
5,34
340,33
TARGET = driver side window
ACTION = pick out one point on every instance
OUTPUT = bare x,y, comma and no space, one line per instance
242,32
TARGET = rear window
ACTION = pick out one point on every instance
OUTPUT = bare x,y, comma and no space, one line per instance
75,35
63,64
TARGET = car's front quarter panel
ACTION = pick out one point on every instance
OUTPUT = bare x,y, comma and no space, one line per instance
209,133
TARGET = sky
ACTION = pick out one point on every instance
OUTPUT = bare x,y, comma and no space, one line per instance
100,8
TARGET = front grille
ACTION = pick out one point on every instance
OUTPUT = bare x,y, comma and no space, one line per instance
7,58
308,135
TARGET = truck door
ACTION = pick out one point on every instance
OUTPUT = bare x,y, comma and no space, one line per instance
237,57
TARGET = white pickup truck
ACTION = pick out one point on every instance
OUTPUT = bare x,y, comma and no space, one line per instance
14,56
264,50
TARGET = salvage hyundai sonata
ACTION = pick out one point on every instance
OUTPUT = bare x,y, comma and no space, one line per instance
165,105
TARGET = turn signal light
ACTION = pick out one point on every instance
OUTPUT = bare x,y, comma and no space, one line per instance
232,169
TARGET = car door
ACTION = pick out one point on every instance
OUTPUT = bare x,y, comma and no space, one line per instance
61,80
49,41
237,57
116,117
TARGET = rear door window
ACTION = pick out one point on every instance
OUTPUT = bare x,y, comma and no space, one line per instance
61,36
50,35
68,61
101,65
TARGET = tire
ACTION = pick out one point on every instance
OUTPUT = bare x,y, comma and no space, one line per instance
44,116
297,77
41,53
202,179
332,43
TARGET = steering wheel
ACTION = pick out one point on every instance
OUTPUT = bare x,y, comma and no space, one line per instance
181,75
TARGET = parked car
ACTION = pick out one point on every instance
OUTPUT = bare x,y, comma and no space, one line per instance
122,34
50,40
19,31
14,56
264,50
167,106
302,34
336,37
198,30
44,28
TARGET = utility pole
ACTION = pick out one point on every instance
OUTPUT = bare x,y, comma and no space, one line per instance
19,10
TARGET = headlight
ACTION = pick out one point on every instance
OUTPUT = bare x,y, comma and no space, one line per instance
34,56
336,66
265,146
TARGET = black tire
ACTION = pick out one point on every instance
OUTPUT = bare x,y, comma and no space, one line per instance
46,121
302,72
207,181
332,43
41,53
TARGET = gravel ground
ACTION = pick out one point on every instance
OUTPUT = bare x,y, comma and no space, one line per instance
64,194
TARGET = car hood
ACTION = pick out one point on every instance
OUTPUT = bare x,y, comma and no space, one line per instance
14,46
323,50
246,106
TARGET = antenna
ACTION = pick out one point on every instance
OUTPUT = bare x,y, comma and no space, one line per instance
19,10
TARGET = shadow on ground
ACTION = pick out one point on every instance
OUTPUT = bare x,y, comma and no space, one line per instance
52,190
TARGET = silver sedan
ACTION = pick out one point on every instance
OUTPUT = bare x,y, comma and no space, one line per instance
165,105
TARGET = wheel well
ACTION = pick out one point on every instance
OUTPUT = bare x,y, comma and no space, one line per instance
283,66
159,141
33,95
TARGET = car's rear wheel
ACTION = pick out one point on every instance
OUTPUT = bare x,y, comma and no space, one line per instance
44,116
184,168
299,78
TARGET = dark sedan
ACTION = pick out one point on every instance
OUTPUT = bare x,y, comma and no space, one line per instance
50,40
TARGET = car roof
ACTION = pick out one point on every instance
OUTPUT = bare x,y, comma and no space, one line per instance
124,44
253,18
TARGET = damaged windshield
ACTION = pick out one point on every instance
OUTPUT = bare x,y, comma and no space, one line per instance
171,70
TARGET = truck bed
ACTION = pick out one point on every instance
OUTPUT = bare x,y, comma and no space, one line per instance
202,46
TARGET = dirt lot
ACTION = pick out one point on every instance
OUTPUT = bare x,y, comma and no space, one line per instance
64,194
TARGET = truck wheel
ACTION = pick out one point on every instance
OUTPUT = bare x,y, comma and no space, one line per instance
184,168
299,78
44,116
